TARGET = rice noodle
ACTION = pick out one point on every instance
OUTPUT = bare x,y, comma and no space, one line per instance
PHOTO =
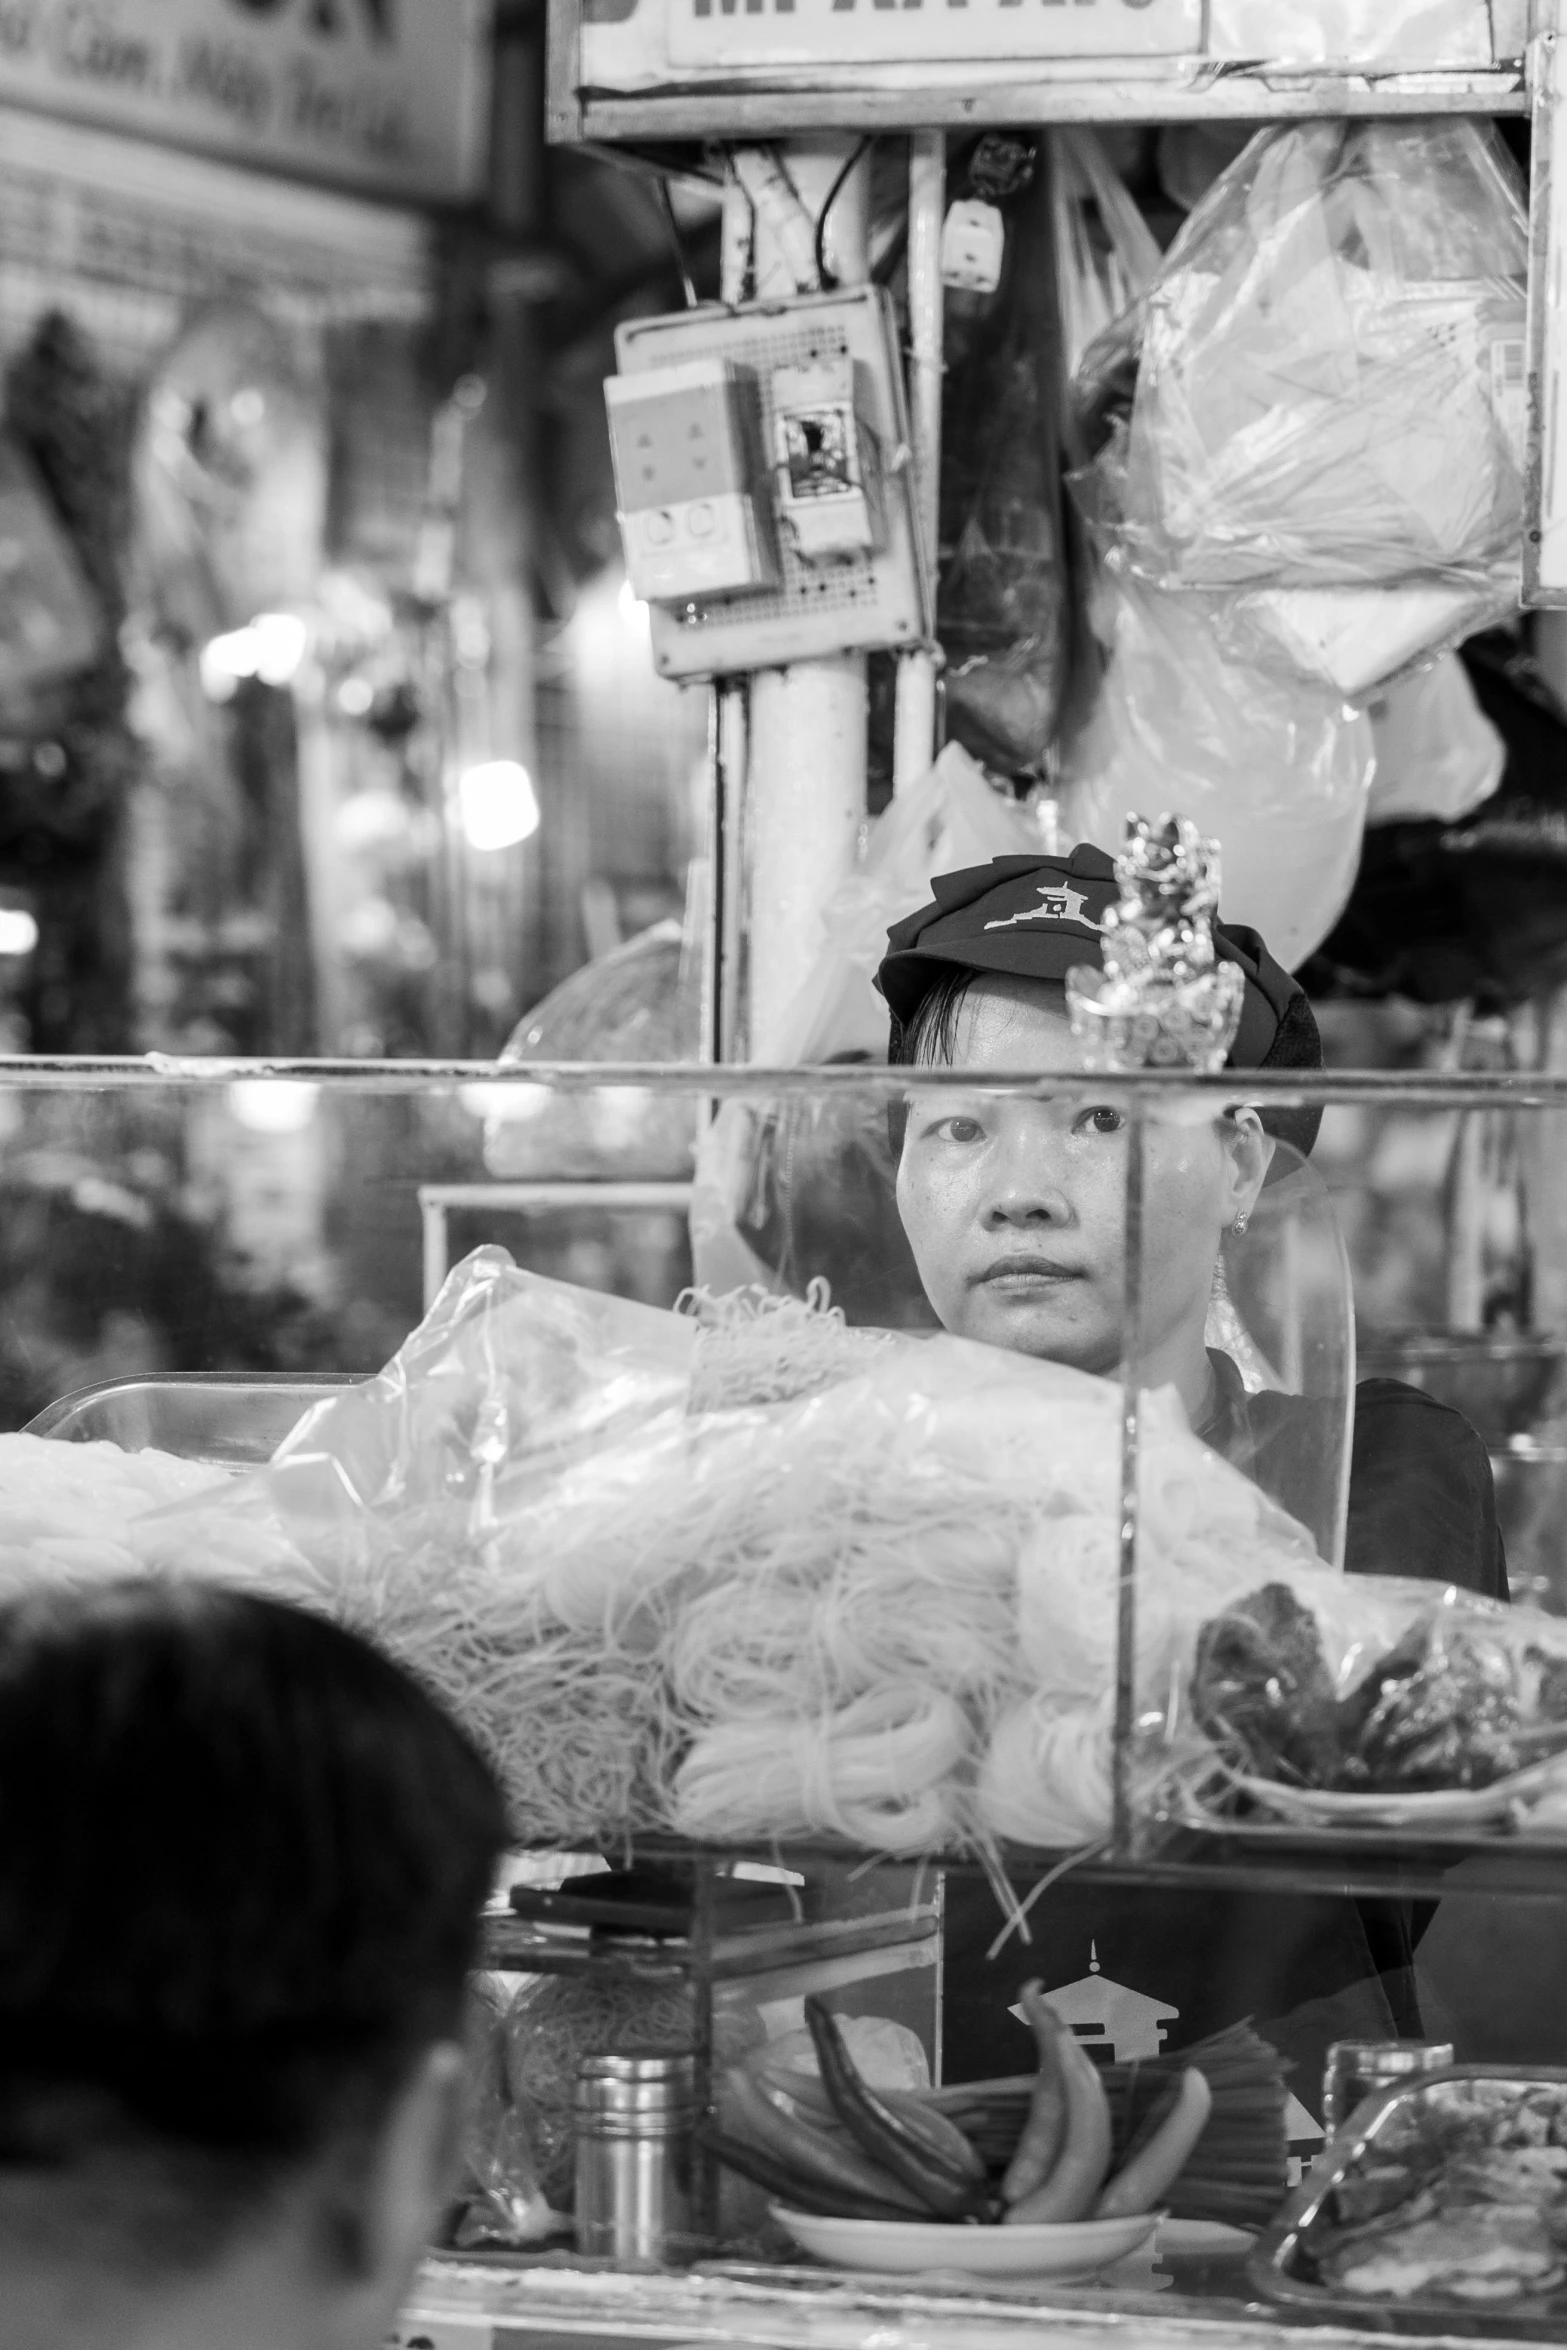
844,1582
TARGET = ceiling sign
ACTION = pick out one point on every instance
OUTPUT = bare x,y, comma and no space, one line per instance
380,94
750,33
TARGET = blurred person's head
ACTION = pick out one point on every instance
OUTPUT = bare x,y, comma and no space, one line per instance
1014,1203
241,1870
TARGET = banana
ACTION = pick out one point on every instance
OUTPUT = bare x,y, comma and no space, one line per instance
1153,2169
1072,2188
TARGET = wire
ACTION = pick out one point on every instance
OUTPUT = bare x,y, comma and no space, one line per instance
687,284
826,276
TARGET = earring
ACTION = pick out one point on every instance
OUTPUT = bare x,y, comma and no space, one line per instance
1240,1224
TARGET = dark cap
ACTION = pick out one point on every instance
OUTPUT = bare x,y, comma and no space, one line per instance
1035,917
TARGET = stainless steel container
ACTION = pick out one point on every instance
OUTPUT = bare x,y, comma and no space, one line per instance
1358,2069
636,2117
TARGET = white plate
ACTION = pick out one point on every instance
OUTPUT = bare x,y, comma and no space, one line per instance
1203,2239
905,2247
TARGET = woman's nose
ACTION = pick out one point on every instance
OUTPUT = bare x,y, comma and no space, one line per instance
1024,1190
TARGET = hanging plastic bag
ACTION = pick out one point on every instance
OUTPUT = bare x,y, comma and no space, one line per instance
1332,388
1358,640
1106,254
1002,605
640,1003
1278,771
951,817
1438,755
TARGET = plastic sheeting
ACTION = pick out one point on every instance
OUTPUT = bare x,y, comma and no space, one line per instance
1438,755
1277,770
951,817
1331,385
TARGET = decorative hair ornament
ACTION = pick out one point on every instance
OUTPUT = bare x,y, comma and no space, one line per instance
1163,1000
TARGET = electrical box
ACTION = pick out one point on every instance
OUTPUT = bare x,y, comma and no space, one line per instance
826,463
817,380
684,443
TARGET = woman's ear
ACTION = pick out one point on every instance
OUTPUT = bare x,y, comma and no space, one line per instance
1248,1156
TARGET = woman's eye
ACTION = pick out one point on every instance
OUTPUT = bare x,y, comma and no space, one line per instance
957,1129
1101,1119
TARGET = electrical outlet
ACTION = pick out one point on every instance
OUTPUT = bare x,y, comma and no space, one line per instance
973,246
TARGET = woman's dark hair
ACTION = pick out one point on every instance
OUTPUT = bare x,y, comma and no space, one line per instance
243,1861
930,1038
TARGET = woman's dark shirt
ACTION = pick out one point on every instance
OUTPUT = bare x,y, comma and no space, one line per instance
1421,1499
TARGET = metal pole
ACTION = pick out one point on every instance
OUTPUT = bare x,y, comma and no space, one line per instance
1131,1446
914,731
806,749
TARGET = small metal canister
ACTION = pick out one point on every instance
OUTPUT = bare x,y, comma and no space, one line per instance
1358,2069
636,2117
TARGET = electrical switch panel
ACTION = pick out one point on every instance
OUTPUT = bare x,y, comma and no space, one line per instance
826,513
826,464
685,446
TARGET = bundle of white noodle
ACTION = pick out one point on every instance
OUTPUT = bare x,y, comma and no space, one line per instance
660,1594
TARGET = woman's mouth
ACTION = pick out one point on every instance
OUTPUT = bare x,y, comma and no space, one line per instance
1025,1273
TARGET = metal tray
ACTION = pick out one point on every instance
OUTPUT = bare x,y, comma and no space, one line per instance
1272,2266
221,1419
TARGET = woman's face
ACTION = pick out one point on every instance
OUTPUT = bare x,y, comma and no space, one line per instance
1015,1208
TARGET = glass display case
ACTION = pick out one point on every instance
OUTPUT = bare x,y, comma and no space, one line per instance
993,1572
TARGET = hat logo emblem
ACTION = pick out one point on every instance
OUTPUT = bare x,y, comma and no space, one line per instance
1058,904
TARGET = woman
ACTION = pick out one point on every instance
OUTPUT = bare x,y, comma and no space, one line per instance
1014,1208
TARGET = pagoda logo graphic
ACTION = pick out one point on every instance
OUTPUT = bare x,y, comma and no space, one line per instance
1121,2026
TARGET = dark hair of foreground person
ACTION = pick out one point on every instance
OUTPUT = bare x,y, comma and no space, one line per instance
242,1860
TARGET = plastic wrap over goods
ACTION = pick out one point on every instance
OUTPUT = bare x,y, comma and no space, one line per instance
1331,389
742,1571
1272,766
1366,1702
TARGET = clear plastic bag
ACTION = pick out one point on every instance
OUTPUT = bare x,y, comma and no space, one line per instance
1331,385
640,1003
1276,769
509,1379
1359,641
500,2190
1106,254
951,817
1438,755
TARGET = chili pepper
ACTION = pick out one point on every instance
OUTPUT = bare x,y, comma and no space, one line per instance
836,2164
947,2143
1037,2150
1152,2169
885,2134
763,2170
1072,2188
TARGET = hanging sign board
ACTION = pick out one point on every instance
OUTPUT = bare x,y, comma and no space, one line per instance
629,69
386,95
736,33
